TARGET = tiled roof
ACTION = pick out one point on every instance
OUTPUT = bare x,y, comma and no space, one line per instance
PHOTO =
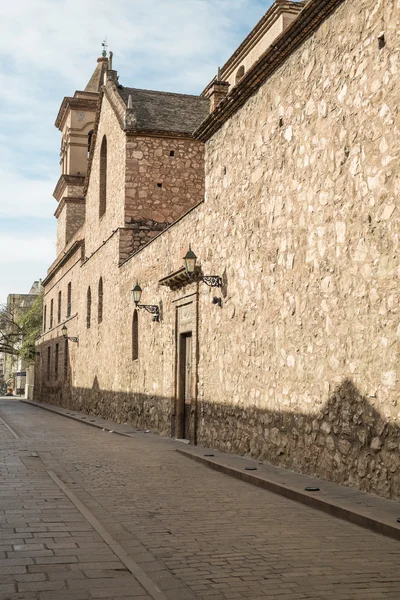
163,111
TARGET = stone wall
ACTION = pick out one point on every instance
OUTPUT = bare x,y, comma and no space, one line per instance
101,228
75,217
312,166
300,365
47,385
164,178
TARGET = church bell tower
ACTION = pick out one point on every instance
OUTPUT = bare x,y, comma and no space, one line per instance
75,120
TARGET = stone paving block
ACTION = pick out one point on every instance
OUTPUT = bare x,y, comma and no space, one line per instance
39,586
190,528
61,595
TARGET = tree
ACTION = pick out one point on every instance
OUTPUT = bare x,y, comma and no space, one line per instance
31,324
19,332
10,332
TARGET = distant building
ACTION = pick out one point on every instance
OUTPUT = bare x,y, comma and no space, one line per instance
283,177
15,368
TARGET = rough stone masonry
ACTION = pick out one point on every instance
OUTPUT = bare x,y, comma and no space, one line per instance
300,218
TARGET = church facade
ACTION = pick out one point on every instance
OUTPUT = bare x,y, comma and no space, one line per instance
281,342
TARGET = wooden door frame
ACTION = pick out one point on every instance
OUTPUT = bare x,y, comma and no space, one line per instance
176,413
181,414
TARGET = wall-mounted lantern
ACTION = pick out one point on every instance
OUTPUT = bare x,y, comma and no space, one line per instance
153,309
190,266
65,335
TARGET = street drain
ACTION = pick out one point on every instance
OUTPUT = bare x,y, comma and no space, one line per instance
209,455
250,468
312,489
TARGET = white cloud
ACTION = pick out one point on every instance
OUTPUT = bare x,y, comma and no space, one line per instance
23,260
15,248
23,197
49,49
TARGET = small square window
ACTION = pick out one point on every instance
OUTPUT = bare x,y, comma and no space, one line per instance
159,185
172,153
381,41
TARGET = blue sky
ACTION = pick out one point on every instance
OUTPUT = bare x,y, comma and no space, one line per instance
49,50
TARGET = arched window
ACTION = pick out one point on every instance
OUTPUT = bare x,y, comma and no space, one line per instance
69,299
103,177
56,362
135,336
51,314
66,358
89,141
100,304
48,361
59,308
240,74
44,318
88,307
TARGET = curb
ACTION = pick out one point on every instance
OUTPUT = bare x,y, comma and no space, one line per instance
292,493
308,499
53,409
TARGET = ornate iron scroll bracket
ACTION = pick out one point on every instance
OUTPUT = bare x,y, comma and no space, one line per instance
153,309
212,280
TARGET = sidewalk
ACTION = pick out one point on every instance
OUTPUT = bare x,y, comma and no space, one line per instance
371,512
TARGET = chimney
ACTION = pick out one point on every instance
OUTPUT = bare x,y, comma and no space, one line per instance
216,91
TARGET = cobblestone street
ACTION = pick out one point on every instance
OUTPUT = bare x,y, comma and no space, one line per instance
88,514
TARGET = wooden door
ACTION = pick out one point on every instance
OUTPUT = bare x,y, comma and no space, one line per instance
185,386
188,385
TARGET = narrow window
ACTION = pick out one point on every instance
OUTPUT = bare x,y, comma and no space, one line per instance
56,362
381,41
65,358
172,153
51,314
44,318
59,308
103,177
88,307
135,336
100,305
240,74
69,298
48,361
89,142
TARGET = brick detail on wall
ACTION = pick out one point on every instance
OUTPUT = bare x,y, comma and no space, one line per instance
137,235
161,186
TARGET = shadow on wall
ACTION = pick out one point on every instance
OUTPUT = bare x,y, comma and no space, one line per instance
347,442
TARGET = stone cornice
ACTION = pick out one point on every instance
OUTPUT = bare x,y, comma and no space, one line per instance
116,102
279,8
308,21
74,246
68,200
66,180
157,134
74,104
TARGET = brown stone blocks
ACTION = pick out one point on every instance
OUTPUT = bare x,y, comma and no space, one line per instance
300,219
159,186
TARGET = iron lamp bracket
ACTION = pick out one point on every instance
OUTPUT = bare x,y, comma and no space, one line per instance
212,280
153,309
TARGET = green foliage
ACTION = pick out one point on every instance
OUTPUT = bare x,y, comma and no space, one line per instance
31,326
10,332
